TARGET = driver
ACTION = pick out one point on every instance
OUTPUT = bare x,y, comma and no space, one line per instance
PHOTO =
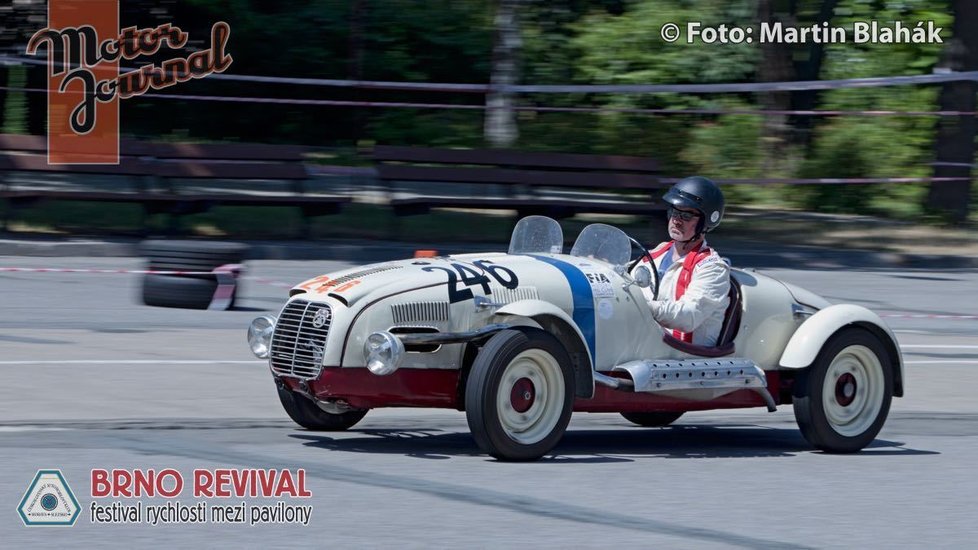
694,280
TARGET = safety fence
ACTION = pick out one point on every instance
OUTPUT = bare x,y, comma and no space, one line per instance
238,270
472,99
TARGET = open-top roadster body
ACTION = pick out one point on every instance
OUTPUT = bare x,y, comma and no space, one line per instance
520,340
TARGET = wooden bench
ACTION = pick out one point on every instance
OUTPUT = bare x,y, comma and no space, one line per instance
148,174
558,185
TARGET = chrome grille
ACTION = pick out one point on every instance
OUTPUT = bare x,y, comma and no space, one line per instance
298,344
414,312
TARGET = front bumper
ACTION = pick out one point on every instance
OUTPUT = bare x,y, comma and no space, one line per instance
361,389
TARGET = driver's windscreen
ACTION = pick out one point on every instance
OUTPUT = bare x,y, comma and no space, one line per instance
603,242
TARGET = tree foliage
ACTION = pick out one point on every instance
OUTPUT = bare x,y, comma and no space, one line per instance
563,41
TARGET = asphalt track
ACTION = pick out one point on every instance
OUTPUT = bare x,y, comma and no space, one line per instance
89,378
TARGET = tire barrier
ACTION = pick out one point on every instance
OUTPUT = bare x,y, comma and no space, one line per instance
226,278
206,275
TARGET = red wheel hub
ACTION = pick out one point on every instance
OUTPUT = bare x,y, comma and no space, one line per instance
522,395
845,389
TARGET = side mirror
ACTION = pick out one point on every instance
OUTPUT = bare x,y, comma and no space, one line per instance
642,276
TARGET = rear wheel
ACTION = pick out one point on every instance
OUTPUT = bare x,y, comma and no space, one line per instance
842,399
519,394
652,419
308,415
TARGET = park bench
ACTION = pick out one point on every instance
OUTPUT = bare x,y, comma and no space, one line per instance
558,185
170,178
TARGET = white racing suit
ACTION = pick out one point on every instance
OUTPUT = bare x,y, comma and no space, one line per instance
692,304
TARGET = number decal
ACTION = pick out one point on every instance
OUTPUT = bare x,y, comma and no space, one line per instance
494,271
454,294
313,282
469,277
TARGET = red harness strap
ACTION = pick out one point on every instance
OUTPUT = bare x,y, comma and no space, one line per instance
658,251
685,276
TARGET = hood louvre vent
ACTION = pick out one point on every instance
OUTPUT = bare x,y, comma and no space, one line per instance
414,312
507,296
361,274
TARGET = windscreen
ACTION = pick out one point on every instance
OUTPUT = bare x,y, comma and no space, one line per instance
603,242
537,235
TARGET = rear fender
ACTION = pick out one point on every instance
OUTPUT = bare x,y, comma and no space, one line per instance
555,321
812,335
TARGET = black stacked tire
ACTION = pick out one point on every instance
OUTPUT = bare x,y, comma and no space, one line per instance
186,291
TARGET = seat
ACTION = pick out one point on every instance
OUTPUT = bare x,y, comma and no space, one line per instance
731,317
728,330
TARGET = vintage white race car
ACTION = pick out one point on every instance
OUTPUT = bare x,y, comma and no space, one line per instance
520,340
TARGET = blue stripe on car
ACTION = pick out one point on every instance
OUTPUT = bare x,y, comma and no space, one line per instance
583,298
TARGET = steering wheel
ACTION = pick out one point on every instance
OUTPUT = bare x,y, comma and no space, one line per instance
655,272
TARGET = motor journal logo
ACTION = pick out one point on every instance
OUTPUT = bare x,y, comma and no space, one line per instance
84,46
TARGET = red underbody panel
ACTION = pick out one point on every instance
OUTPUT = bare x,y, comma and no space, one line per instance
439,389
403,388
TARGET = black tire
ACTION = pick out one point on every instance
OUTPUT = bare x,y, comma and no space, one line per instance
856,368
182,292
533,421
186,291
652,419
191,255
305,413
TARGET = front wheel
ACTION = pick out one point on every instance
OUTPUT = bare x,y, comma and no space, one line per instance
519,394
308,415
842,399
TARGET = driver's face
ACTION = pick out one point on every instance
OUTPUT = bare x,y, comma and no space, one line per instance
680,230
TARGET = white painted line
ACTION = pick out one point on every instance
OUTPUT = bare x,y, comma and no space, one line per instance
134,362
945,362
929,316
939,346
5,429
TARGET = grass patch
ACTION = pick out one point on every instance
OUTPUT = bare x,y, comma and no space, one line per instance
15,110
356,221
78,217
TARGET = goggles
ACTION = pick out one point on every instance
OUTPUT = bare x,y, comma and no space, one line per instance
684,216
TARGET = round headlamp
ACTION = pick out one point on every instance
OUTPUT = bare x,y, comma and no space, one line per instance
383,352
260,336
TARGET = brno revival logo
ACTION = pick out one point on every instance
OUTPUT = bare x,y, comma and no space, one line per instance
49,501
84,47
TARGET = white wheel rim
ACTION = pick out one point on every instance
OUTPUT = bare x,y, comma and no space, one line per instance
545,403
852,393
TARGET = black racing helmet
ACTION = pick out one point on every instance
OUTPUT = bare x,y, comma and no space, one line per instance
701,194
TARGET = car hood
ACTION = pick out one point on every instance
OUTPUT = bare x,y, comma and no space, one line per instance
352,285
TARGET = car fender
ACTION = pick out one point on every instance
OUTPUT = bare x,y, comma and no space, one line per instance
558,323
812,335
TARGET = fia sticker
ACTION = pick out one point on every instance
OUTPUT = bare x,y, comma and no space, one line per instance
601,285
606,310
